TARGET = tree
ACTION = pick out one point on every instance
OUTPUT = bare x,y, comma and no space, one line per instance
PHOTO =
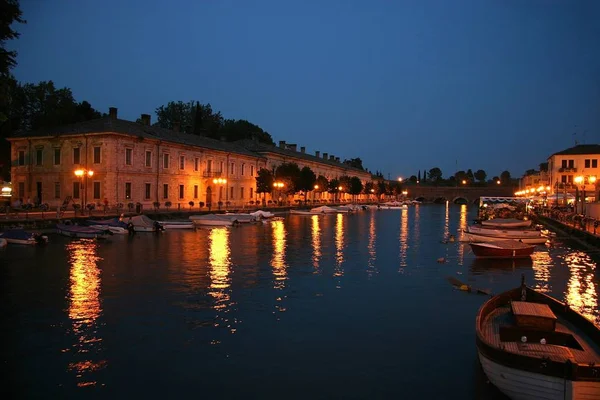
264,182
470,176
435,174
460,176
10,12
530,172
480,175
289,173
306,181
355,187
495,179
413,179
505,178
544,166
333,186
241,129
354,163
323,184
419,176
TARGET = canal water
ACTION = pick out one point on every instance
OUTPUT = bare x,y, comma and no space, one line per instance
336,306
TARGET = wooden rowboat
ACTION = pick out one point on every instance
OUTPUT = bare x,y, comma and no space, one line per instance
504,223
477,237
502,249
532,346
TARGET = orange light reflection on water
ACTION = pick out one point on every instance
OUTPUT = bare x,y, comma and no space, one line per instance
582,293
541,272
371,268
278,259
404,238
220,263
462,225
339,245
84,307
316,241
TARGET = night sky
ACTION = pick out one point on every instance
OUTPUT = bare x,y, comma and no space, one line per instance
404,85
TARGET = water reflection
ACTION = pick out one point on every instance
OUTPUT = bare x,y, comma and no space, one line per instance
84,309
447,220
541,271
339,245
582,294
316,241
371,266
480,266
404,237
278,259
462,225
220,263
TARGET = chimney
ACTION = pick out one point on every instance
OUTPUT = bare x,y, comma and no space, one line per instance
292,147
146,119
317,154
331,158
112,112
282,144
324,156
176,126
302,149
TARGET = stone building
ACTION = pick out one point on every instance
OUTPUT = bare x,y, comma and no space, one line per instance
576,169
118,161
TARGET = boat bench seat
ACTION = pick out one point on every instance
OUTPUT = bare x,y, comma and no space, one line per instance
533,315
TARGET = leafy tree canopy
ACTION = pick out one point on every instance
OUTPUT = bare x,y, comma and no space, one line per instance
480,175
355,163
289,174
264,181
307,180
10,12
323,184
435,174
505,178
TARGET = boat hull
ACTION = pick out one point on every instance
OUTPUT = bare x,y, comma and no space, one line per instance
473,237
486,250
524,385
114,229
177,225
506,223
508,233
80,234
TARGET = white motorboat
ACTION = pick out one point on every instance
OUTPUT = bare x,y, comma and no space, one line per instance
169,225
304,212
142,223
81,232
503,223
242,218
213,220
506,233
476,237
327,210
260,214
20,236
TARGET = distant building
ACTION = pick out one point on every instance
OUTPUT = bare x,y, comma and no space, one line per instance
119,161
575,169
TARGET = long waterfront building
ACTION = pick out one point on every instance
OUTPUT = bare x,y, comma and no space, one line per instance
128,162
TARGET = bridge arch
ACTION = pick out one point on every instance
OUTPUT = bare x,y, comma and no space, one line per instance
460,200
440,200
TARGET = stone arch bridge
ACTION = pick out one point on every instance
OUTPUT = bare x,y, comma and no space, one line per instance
469,195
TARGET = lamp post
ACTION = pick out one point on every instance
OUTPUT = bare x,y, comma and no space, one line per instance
220,182
340,188
83,174
372,191
314,191
279,186
581,180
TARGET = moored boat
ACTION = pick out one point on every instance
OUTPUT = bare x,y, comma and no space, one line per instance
168,225
260,214
532,346
213,220
502,249
142,223
82,232
20,236
506,223
327,210
113,225
242,218
304,212
508,233
477,237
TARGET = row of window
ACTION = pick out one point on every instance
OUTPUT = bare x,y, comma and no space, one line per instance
129,190
589,163
39,160
570,179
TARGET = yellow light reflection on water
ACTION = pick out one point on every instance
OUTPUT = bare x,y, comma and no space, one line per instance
339,245
462,225
316,241
541,270
404,237
220,263
84,306
582,293
278,259
371,268
447,220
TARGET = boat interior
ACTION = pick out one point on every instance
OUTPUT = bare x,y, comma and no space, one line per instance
532,329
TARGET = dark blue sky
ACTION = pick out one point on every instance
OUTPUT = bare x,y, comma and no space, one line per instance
404,85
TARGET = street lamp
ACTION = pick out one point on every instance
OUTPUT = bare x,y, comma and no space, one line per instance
581,180
220,182
83,174
314,191
279,186
464,182
340,188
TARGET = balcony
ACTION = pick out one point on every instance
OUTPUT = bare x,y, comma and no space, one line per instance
571,169
212,174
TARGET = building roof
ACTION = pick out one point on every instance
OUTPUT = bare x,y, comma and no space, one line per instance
110,124
580,149
262,148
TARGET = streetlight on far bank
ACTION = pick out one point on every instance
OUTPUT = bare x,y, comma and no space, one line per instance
220,182
279,185
83,175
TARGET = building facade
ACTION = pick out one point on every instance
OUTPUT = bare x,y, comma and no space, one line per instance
575,170
114,161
